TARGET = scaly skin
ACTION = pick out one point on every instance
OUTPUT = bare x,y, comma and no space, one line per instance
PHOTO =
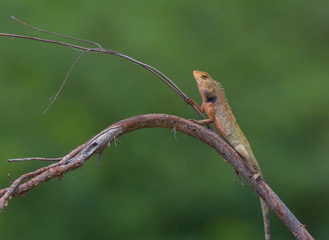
220,114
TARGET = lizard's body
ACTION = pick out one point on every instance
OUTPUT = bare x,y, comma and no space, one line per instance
220,114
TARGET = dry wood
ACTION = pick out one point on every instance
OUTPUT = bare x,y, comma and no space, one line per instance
98,143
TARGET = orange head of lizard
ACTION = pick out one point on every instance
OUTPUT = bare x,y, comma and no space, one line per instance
205,83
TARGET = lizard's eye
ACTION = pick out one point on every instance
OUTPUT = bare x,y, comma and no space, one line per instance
204,76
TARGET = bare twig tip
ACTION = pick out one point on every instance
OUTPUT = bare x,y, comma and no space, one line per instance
99,158
51,98
8,175
174,130
22,194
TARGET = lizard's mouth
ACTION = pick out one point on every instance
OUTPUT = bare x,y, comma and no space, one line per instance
196,73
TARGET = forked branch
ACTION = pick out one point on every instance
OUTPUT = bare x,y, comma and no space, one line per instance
98,143
98,49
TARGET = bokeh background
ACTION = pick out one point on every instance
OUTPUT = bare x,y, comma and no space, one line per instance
271,57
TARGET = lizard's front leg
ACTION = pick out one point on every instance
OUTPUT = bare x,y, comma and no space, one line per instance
201,109
190,101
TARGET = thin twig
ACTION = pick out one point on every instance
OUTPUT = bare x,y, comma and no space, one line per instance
34,158
53,33
53,98
153,70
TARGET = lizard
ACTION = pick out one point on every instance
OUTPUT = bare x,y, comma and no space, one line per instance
220,114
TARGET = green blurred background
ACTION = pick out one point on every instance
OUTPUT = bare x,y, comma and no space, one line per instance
271,57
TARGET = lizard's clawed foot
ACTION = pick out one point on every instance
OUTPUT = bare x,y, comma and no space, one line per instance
203,121
195,121
255,177
236,175
189,101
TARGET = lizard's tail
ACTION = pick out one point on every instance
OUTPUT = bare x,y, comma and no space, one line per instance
266,218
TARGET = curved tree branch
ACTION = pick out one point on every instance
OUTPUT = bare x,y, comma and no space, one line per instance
98,143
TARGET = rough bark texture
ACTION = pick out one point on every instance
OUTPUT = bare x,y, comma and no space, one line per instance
98,143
